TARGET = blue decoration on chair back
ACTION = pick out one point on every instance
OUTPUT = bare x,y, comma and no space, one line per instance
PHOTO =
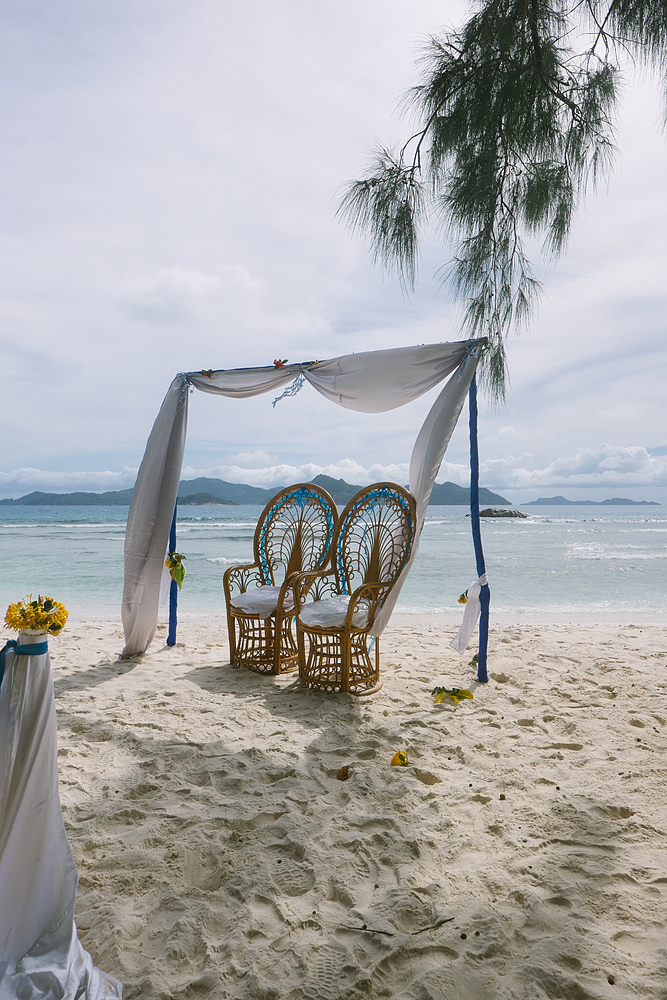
297,498
368,500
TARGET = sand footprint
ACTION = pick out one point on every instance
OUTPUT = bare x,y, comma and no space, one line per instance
292,877
327,966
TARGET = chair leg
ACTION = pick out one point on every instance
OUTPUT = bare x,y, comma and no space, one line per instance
345,657
301,651
231,635
364,672
285,650
267,646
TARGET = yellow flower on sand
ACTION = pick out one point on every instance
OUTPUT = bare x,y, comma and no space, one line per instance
42,614
453,694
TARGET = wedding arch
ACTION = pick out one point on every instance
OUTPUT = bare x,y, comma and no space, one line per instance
368,382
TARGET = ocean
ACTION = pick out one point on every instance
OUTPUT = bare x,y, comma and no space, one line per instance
562,564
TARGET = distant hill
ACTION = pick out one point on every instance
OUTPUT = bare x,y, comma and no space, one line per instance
206,491
232,492
116,498
615,502
446,494
238,493
202,499
338,489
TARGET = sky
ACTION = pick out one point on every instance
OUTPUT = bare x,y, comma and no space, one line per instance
169,177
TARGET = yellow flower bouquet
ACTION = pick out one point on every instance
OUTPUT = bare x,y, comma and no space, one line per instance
42,615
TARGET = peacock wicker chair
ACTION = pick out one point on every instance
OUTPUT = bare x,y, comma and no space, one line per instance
373,543
294,533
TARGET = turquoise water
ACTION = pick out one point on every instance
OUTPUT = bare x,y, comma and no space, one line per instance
562,564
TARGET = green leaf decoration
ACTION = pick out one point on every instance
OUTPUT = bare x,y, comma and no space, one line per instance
174,563
178,574
453,694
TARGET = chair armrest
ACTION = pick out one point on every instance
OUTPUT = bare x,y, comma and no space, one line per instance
241,577
286,588
369,595
302,583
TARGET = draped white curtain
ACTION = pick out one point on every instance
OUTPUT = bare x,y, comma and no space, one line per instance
369,382
41,956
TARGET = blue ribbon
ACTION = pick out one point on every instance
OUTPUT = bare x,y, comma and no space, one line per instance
36,649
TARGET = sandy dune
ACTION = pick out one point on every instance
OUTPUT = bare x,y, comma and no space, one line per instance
522,854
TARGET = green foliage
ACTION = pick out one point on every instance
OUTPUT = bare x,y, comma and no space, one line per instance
389,204
174,563
515,114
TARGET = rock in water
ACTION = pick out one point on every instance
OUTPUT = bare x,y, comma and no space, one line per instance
502,512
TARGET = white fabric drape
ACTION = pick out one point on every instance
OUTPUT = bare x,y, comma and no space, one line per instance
427,456
369,382
41,956
149,518
470,616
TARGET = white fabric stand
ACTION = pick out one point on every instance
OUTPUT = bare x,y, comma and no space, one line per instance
370,382
41,957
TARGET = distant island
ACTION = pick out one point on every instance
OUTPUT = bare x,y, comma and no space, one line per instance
203,500
615,502
217,491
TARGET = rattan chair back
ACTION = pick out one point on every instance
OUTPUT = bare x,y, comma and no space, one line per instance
374,537
295,532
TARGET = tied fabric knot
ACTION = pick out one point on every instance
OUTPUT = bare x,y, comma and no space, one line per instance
34,649
470,615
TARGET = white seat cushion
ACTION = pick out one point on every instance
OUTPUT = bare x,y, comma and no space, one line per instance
330,613
263,601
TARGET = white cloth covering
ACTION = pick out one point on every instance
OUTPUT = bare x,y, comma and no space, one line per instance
330,613
149,518
262,601
41,957
370,382
470,616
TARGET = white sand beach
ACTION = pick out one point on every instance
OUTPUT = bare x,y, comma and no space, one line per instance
521,854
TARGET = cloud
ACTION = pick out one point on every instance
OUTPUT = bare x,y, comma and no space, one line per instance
251,459
169,184
173,292
21,481
607,466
